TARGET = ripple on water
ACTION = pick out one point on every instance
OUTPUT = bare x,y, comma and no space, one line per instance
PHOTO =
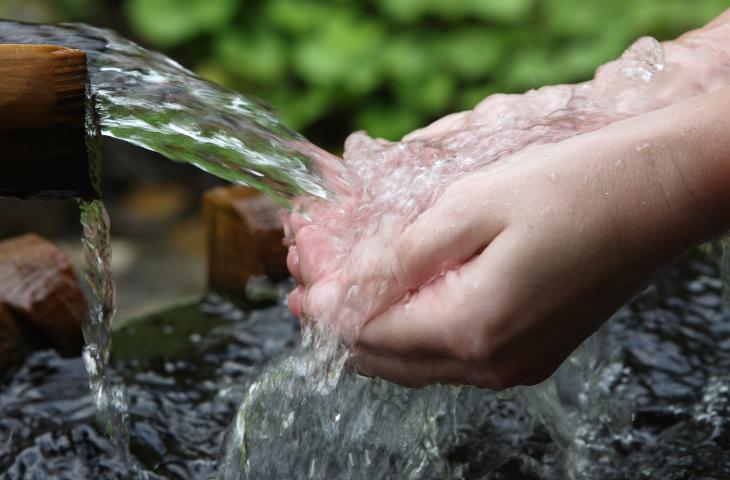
184,392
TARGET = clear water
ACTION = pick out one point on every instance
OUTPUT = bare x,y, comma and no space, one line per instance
186,370
304,415
147,99
109,399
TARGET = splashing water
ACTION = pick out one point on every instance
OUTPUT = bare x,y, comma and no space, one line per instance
368,428
387,186
151,101
306,416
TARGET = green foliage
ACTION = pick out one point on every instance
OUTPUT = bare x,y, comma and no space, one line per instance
388,66
170,22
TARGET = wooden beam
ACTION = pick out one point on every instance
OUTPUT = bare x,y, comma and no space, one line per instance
43,151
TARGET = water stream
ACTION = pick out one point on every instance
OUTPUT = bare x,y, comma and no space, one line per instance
109,399
304,415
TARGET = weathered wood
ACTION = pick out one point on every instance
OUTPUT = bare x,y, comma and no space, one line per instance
42,122
39,288
244,234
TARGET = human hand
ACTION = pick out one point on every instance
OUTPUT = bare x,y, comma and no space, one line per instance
648,168
517,263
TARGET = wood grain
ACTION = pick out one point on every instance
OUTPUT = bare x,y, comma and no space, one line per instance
244,236
42,122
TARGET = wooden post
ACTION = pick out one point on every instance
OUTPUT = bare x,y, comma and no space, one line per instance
244,235
43,150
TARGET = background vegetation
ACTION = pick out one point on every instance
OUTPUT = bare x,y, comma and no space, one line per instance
386,66
330,67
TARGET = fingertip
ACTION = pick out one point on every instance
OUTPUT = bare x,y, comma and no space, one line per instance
294,301
316,253
292,263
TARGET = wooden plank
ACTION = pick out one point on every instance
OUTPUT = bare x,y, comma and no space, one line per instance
43,152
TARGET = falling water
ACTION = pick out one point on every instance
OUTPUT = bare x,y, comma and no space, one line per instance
110,403
151,101
306,416
147,99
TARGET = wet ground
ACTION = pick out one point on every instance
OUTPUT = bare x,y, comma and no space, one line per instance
187,368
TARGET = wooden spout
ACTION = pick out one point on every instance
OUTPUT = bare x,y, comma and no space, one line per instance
43,151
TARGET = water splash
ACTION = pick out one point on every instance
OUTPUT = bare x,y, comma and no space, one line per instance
308,399
308,402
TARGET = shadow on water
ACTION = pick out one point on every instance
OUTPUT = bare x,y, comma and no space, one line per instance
187,368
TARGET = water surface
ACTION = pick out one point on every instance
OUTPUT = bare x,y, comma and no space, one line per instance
186,370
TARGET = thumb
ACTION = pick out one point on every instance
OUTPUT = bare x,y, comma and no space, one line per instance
381,270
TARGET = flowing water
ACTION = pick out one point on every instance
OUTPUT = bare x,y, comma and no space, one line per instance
147,99
305,415
109,399
186,370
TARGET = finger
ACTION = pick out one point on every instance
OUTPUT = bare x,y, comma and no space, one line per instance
449,233
295,221
316,253
292,263
330,167
439,127
294,301
409,373
419,372
318,300
449,317
381,270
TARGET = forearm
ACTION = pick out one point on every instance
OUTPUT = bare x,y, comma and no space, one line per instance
689,143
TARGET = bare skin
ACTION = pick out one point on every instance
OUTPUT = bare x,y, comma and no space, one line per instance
517,263
573,231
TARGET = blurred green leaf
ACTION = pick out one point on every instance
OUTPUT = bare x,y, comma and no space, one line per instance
168,22
430,95
410,57
472,52
297,17
507,11
389,123
299,108
344,52
259,56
